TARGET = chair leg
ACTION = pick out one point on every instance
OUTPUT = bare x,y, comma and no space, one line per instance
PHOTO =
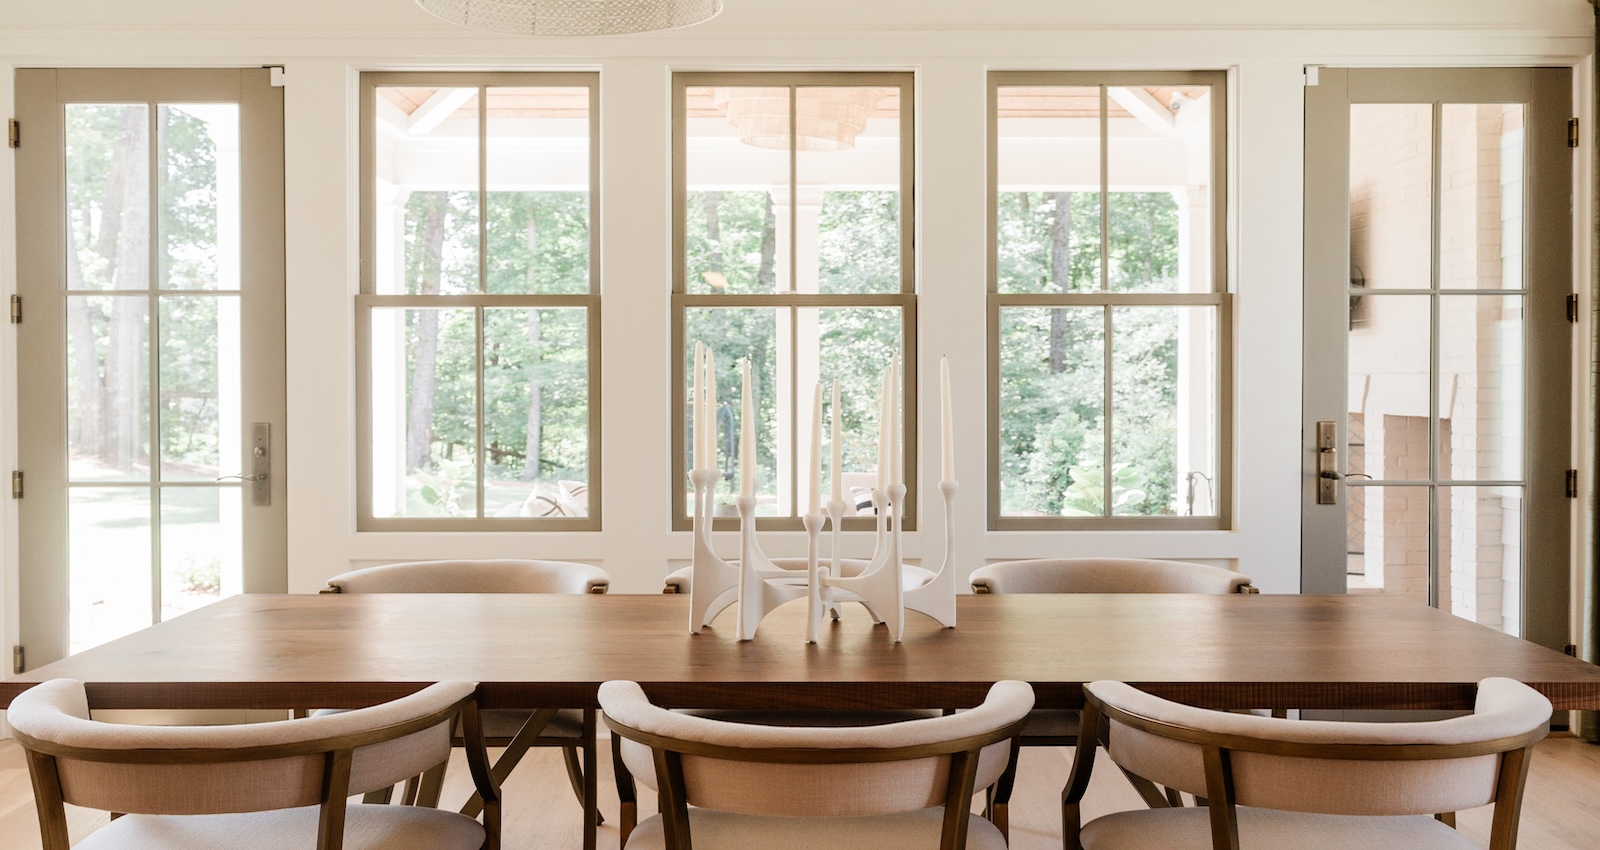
511,755
585,779
627,793
432,783
998,810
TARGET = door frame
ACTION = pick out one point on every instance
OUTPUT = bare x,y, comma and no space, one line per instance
1548,334
43,574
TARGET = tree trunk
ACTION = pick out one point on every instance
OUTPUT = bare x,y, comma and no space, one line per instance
1060,276
424,369
767,278
532,454
84,425
124,441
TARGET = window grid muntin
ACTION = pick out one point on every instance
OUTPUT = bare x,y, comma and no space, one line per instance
790,299
1220,296
369,299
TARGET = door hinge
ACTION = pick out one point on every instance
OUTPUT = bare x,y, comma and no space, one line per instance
1572,483
1572,132
13,133
16,484
1572,308
18,664
16,309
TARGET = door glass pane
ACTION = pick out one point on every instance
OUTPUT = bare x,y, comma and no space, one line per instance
1052,411
109,560
536,412
1048,222
198,144
1481,392
736,335
1391,207
1164,412
738,204
424,398
848,179
1480,555
426,221
1388,378
538,178
201,547
200,390
1480,199
1390,552
108,388
1158,207
108,196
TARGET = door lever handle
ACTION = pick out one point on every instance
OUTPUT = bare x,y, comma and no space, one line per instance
259,476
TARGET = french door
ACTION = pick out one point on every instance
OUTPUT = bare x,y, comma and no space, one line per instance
150,257
1438,343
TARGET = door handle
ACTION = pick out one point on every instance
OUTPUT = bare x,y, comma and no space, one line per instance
260,472
1327,463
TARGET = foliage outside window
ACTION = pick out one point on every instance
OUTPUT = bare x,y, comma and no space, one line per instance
478,335
792,252
1109,305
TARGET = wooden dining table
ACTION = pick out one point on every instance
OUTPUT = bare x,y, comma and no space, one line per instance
1242,651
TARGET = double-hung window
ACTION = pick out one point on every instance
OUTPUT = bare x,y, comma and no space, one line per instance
1110,316
478,317
792,234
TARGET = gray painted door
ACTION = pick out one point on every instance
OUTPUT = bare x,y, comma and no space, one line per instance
151,385
1438,348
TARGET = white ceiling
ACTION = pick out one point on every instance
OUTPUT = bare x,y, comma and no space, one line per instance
832,15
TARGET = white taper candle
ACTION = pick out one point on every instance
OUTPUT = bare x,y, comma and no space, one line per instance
897,440
711,408
947,466
747,442
837,490
697,391
883,432
816,451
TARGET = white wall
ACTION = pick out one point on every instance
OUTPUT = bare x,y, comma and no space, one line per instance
323,46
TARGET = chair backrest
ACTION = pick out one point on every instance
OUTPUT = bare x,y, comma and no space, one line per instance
1322,766
505,575
817,771
1106,575
183,770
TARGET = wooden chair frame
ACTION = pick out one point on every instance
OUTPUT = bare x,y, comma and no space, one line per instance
999,799
339,753
580,756
1217,749
673,794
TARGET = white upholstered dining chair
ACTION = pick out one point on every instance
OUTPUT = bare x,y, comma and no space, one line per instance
1310,785
727,785
1056,727
573,730
260,786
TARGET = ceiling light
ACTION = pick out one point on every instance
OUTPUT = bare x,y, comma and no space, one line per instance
573,17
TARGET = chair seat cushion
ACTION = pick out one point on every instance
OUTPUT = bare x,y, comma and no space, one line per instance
371,827
919,830
1265,829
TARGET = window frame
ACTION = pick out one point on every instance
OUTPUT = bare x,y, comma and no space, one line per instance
1220,297
368,300
905,299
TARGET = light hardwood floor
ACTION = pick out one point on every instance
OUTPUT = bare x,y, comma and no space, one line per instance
1562,812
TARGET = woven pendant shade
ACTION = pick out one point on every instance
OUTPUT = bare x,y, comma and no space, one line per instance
573,17
827,119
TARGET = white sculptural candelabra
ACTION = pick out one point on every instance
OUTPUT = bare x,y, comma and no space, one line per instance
758,586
